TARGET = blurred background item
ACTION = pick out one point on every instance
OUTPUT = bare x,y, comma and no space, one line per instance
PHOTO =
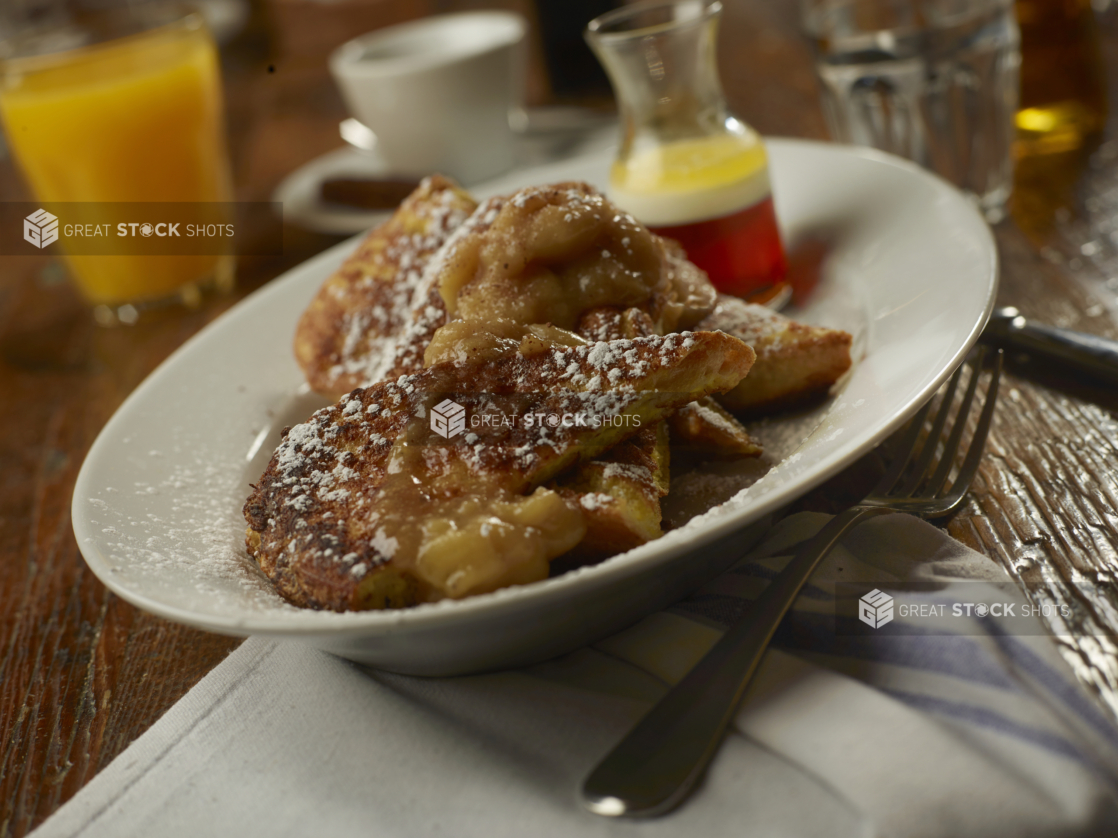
438,94
226,18
312,29
572,70
562,105
686,167
561,68
1063,84
934,81
119,104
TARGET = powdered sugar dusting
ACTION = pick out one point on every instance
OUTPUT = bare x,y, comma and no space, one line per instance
757,325
188,535
427,311
370,331
207,536
592,501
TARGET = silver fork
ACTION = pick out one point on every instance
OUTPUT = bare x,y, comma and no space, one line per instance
661,759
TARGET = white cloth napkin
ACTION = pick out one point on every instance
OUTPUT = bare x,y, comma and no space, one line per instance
913,732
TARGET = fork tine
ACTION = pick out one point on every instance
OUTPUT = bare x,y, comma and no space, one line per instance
951,446
903,449
906,447
931,441
962,483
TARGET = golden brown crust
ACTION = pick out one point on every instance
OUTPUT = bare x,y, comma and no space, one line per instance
428,311
359,313
795,362
326,515
619,494
620,491
707,429
704,427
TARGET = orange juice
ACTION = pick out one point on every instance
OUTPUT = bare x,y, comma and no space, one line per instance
134,119
712,194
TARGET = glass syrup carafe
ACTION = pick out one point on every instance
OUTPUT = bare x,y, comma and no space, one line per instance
686,167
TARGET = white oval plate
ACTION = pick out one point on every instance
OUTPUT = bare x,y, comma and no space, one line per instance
911,270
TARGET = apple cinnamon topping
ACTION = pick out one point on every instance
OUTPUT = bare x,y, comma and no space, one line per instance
518,367
373,504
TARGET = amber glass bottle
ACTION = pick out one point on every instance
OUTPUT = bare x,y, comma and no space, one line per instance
1063,88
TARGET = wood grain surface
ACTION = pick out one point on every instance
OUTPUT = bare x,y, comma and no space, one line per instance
82,674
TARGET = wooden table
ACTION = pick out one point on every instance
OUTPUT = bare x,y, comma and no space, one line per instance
82,674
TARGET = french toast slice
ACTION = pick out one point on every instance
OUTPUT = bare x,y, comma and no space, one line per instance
360,312
428,309
619,495
387,498
619,492
795,362
707,429
703,427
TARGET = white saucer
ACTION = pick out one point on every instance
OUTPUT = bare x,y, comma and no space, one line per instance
549,135
300,192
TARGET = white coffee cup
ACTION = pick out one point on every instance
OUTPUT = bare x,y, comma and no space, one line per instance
437,92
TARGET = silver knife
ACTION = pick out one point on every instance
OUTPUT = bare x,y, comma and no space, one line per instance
1080,352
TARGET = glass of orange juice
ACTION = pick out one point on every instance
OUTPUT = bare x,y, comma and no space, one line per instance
130,112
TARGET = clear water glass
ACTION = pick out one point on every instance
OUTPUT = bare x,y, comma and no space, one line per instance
935,81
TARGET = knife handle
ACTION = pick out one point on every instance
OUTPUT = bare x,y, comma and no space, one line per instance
1091,355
